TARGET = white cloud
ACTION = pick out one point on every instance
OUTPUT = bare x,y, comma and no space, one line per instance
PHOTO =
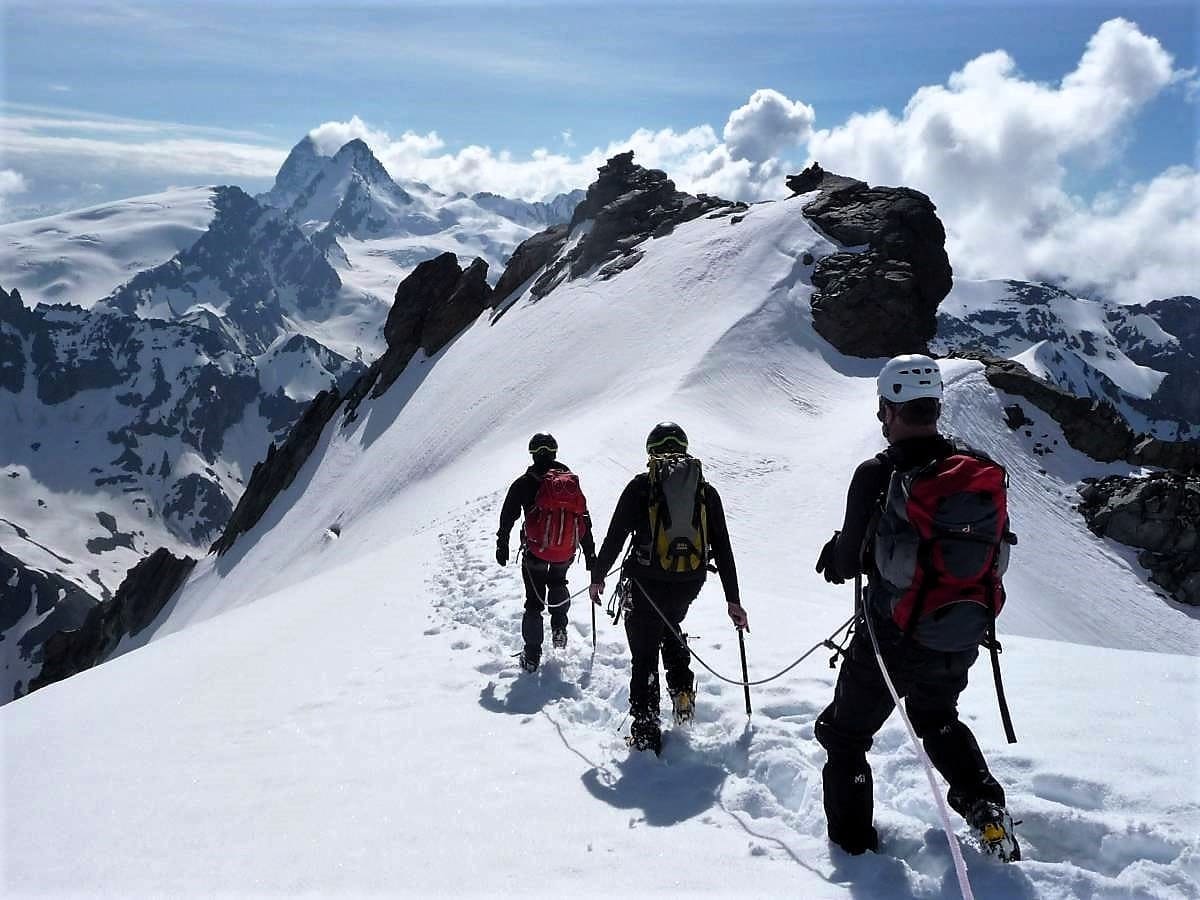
993,150
768,124
11,182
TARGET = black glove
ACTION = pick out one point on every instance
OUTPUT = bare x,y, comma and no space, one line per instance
826,562
502,553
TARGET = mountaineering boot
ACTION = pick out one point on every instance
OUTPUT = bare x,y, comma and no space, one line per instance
683,703
644,734
558,638
528,661
993,828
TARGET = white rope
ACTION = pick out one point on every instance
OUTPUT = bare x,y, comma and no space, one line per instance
960,865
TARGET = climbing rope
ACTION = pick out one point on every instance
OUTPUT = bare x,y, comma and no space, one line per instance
740,681
546,589
960,865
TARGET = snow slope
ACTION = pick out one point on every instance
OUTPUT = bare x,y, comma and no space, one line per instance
332,707
81,257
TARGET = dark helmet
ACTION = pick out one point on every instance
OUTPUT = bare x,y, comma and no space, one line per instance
543,443
666,437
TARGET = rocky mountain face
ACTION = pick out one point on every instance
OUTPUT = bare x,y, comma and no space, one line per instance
122,435
432,305
1158,514
1090,425
374,229
1140,359
893,270
139,600
253,275
36,605
625,206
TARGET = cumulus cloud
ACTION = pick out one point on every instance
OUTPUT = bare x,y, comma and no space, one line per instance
11,182
993,150
696,158
766,125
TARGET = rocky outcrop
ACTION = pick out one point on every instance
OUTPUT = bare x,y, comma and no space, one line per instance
626,205
139,600
433,304
253,263
1158,514
278,470
881,297
1091,426
529,258
36,604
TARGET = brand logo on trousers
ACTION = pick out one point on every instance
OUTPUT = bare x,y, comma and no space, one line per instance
860,779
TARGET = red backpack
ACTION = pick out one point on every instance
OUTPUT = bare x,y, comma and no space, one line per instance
943,537
555,521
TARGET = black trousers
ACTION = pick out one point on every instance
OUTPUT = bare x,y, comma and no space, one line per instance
648,636
930,682
545,585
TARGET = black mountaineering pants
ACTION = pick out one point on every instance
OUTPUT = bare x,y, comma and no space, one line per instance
648,635
545,585
930,682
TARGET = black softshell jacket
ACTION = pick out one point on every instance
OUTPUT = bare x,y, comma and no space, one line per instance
632,516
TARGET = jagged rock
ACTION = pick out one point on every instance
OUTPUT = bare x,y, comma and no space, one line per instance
881,300
528,258
1015,417
626,205
32,595
470,296
140,598
1160,515
1092,426
814,178
275,473
433,304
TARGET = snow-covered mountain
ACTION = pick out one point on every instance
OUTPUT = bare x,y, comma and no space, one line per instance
82,257
333,705
375,229
1141,358
122,435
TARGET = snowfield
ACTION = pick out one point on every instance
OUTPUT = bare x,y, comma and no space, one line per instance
332,708
81,257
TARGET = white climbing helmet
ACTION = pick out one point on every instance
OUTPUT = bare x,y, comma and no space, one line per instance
910,377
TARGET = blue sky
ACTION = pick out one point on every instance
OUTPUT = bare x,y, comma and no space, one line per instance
104,100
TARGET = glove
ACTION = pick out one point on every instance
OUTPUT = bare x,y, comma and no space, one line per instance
738,615
595,591
502,554
825,562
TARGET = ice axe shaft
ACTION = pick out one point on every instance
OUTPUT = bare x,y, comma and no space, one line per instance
745,675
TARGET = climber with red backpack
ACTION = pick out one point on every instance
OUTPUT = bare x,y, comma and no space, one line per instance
927,522
557,526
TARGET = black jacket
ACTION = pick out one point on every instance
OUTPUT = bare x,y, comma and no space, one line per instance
632,516
865,496
954,628
519,501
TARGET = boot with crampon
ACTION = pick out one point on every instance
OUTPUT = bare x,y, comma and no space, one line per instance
993,828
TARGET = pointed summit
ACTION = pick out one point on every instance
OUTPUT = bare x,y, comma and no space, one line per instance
294,175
